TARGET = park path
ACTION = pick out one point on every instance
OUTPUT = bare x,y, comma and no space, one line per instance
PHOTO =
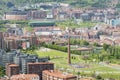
110,66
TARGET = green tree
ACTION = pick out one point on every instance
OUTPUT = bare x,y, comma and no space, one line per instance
105,46
96,45
84,43
2,71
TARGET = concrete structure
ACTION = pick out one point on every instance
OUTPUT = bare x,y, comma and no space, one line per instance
12,69
25,77
57,75
31,39
7,58
37,14
23,59
41,23
38,67
2,40
15,31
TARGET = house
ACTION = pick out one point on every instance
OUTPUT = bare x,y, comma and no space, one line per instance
25,77
85,17
57,75
16,15
98,17
37,14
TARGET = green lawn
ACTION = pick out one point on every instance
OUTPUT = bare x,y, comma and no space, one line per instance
72,24
60,60
87,24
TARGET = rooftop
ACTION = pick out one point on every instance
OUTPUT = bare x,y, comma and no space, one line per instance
31,63
59,74
25,77
13,65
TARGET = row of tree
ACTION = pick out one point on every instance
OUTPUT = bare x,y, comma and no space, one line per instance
60,48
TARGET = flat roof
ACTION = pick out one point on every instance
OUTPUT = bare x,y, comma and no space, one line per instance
13,65
32,63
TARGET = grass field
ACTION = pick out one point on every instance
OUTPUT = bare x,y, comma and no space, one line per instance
60,60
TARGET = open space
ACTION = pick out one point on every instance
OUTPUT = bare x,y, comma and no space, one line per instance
60,60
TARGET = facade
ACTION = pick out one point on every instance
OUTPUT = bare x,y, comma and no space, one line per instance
13,40
7,58
24,62
38,67
31,39
23,59
25,77
16,15
1,55
1,40
57,75
37,14
10,43
12,69
15,31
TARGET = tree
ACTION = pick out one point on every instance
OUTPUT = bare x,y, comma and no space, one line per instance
2,71
10,4
98,77
85,42
105,46
78,73
96,45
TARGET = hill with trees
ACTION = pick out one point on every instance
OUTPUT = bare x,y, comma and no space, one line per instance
7,4
79,3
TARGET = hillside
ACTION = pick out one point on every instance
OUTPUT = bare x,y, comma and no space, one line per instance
6,4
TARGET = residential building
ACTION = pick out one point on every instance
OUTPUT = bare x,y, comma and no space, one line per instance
16,15
31,40
23,59
38,67
7,58
15,31
25,77
98,17
1,55
57,75
12,69
37,14
2,40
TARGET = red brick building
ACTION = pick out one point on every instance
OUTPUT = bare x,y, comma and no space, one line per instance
31,39
38,67
38,14
12,69
16,15
25,77
57,75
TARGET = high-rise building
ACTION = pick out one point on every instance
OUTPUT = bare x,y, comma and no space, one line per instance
23,59
24,62
1,41
7,58
38,67
12,69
